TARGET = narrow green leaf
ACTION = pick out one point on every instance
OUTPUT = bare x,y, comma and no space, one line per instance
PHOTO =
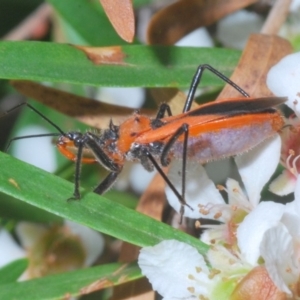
65,285
46,191
145,66
11,208
12,271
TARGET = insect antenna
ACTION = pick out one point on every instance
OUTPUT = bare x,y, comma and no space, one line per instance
30,136
60,131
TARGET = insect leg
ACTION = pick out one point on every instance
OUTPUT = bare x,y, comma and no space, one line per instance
184,129
76,194
163,109
169,183
196,81
89,141
106,183
106,161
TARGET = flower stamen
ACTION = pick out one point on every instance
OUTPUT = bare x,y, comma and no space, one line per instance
291,162
213,273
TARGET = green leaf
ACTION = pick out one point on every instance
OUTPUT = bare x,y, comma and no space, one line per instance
12,271
46,191
11,208
144,66
69,284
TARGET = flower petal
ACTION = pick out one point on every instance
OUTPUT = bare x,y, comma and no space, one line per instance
283,80
29,233
197,38
233,29
200,190
294,206
92,241
175,269
257,166
292,224
139,178
277,250
283,184
223,259
36,152
255,224
297,196
236,195
9,249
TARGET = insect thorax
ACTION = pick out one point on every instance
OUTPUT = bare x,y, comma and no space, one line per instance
139,153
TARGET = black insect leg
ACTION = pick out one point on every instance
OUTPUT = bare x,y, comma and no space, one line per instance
184,129
91,143
106,183
196,81
88,141
106,161
76,194
169,183
163,109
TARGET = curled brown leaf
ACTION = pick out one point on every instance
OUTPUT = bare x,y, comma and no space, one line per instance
86,110
121,16
180,18
260,54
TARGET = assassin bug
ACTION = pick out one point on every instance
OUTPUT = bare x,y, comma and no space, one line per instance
210,132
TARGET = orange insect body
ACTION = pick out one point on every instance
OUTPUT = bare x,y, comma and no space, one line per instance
212,136
210,132
69,150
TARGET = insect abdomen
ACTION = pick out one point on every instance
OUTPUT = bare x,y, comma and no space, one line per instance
221,141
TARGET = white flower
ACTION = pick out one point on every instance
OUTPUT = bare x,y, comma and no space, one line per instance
284,79
251,231
197,38
282,259
177,270
295,5
199,189
285,183
9,249
53,249
279,260
36,151
234,29
235,245
255,167
271,231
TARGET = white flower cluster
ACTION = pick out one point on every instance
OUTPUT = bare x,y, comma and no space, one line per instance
256,248
51,249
